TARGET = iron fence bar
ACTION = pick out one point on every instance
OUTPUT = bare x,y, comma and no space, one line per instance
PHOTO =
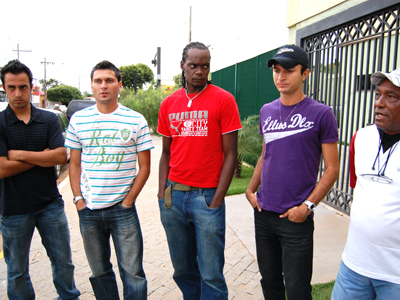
366,83
322,88
357,104
371,96
396,39
389,38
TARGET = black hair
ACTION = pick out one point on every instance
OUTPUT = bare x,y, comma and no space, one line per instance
303,69
16,67
106,65
185,53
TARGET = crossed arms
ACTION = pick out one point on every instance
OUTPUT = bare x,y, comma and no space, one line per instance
19,161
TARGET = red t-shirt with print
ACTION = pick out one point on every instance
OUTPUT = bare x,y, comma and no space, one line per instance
196,150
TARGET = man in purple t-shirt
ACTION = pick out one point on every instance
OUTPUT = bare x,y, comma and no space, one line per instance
296,130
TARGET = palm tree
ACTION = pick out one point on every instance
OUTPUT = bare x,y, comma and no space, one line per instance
249,143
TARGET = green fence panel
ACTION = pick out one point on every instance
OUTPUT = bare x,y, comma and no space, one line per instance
250,82
267,91
246,93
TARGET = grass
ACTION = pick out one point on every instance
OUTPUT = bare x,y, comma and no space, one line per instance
321,291
239,185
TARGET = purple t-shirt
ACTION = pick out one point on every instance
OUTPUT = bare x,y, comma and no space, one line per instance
293,136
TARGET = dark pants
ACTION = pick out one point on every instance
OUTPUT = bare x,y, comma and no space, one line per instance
284,254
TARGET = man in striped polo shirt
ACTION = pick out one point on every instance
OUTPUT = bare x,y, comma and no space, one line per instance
31,144
107,141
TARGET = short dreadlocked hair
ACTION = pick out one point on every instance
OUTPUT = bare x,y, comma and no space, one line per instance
193,45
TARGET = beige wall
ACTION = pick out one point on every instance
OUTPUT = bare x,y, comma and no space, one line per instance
302,13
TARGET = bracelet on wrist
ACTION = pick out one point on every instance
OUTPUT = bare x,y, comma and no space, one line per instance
125,206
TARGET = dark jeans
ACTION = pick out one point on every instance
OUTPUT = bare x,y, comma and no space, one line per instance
284,254
52,225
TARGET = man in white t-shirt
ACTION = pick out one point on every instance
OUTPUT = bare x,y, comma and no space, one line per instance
107,140
370,267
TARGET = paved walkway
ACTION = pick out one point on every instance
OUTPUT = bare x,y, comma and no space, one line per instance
241,268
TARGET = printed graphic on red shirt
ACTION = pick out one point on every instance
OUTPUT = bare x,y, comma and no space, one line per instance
189,123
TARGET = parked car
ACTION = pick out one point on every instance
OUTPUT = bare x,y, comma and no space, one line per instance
64,122
2,95
3,99
76,105
57,106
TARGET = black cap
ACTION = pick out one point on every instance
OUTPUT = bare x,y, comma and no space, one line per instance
289,56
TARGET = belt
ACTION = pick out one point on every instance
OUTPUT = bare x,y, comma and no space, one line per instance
178,187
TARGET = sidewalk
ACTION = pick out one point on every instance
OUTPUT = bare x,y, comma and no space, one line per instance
241,268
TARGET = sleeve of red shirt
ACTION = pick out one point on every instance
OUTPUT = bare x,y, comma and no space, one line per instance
162,127
230,120
353,176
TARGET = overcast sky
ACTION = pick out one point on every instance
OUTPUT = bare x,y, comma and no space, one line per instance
76,35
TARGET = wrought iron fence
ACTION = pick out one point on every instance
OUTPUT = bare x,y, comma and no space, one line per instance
342,61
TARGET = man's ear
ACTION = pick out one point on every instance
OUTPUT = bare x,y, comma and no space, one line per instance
305,74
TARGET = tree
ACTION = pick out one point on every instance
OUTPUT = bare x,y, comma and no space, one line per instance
50,83
64,94
87,94
144,75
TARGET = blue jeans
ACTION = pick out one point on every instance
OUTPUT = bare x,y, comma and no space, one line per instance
196,240
123,225
285,255
350,285
17,231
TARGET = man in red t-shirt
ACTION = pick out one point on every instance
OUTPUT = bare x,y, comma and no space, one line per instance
199,125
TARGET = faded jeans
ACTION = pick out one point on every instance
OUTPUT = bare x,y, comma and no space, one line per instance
350,285
122,224
196,240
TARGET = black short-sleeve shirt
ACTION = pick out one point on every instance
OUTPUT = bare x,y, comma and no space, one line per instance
32,190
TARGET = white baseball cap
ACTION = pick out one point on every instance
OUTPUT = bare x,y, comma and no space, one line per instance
393,76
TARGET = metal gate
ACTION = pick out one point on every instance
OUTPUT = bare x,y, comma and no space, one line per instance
342,60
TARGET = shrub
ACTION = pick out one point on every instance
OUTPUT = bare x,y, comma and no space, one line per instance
64,94
249,143
147,103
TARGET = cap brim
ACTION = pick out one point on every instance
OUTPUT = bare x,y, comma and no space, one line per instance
286,63
378,77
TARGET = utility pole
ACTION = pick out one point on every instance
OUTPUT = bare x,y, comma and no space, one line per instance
79,81
190,26
45,83
157,62
18,51
159,66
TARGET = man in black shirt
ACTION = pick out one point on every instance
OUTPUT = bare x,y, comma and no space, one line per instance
31,144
